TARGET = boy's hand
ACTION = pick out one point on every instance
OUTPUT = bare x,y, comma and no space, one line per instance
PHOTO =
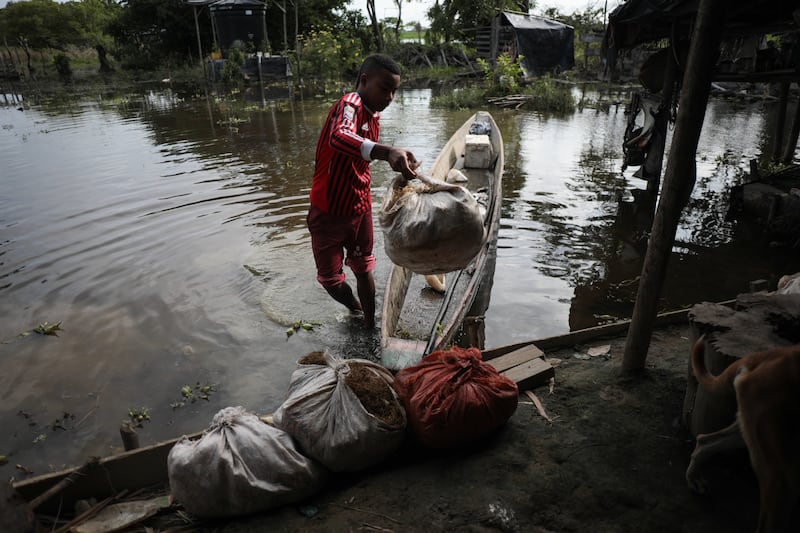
403,161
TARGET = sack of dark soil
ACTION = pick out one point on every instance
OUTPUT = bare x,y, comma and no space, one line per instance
453,398
429,226
240,465
342,412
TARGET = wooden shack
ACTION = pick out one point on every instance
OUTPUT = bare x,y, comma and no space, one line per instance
707,26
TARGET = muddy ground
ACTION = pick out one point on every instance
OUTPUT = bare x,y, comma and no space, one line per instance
612,460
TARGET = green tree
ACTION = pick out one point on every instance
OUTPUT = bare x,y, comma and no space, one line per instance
154,33
39,22
375,25
451,19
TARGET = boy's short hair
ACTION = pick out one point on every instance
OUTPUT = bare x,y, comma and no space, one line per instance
376,62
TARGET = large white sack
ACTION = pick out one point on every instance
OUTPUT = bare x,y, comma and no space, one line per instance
329,422
429,226
240,465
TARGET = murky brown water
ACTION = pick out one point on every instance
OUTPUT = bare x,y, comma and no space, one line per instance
168,237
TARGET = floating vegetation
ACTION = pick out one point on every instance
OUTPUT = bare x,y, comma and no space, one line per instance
192,394
61,423
137,417
300,325
45,328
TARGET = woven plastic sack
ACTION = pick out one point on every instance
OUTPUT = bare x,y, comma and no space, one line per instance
240,465
453,398
429,226
330,423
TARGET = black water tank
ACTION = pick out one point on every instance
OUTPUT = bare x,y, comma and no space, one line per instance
240,21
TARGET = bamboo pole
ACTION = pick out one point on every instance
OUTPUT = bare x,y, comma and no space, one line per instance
679,178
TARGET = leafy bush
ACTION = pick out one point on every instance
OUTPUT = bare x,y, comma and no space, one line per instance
549,95
62,64
505,77
233,64
463,98
328,56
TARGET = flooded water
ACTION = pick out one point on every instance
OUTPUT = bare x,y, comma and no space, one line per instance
167,237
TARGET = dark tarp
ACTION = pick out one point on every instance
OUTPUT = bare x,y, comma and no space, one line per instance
641,21
546,45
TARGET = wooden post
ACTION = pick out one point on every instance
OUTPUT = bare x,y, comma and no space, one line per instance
199,43
679,178
780,120
494,40
791,145
130,439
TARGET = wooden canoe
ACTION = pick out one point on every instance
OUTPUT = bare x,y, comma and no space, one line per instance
415,319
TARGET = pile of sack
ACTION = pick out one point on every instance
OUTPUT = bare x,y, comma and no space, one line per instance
339,415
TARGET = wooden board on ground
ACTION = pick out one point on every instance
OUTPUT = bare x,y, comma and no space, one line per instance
525,366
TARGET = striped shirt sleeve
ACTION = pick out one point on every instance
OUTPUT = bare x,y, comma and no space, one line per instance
343,136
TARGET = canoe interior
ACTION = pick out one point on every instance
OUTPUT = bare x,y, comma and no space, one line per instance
416,320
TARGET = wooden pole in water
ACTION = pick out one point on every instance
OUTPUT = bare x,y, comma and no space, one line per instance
130,439
780,119
791,144
679,178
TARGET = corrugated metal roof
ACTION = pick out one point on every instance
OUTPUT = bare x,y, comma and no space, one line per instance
532,22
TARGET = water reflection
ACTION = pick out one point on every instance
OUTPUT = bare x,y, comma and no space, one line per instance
168,235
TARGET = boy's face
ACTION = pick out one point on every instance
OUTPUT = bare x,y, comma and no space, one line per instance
377,88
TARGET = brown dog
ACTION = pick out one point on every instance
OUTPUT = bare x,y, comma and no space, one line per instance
767,389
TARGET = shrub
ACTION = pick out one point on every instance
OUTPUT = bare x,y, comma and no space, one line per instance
62,64
328,56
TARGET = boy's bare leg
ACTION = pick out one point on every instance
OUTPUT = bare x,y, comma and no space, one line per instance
365,284
343,294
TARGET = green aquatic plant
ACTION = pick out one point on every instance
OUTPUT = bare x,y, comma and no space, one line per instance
137,417
300,325
192,394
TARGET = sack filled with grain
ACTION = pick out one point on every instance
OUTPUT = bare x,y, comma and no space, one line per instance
429,226
240,465
342,412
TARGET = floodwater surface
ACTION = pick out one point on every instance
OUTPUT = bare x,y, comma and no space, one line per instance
166,236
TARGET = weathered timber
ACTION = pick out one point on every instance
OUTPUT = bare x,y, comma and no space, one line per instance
514,358
525,366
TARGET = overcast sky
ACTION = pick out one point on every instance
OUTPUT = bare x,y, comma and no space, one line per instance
414,10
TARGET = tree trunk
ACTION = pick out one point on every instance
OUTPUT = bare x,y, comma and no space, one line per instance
376,28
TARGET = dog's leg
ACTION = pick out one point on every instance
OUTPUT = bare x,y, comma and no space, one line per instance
768,423
708,445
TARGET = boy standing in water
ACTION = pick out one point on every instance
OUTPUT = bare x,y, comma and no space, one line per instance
340,216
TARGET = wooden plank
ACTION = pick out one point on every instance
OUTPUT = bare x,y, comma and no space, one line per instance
595,333
517,357
531,374
132,470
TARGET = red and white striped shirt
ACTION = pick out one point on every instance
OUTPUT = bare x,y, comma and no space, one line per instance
341,184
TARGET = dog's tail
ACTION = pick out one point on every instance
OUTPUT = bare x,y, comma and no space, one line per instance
714,384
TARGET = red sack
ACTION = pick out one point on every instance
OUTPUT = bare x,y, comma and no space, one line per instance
452,397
